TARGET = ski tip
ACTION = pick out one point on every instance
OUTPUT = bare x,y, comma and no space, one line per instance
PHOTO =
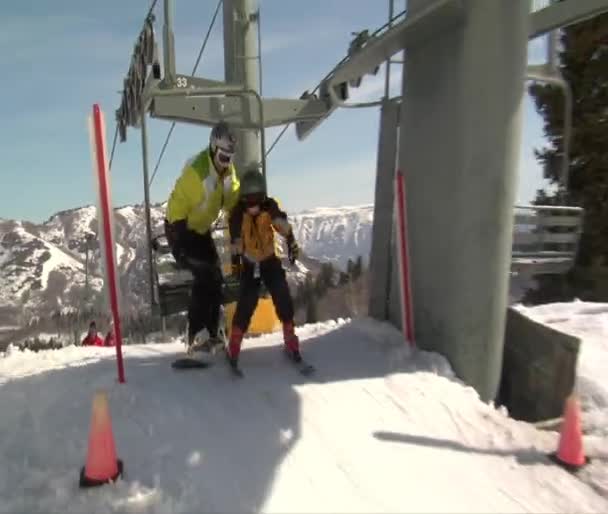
189,363
307,370
236,372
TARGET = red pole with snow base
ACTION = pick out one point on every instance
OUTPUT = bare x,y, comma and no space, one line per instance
104,213
407,310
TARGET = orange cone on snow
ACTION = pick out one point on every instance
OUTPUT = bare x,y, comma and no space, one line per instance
101,466
570,453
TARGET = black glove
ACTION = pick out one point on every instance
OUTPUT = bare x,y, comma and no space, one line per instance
175,234
236,266
293,250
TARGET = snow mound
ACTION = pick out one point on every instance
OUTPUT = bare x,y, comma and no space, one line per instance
381,427
589,322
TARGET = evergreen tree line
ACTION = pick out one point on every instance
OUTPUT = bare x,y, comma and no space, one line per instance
69,328
583,62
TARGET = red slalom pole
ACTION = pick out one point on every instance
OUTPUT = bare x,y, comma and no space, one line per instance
407,310
104,211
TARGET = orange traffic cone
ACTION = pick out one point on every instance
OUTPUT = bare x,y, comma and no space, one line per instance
101,466
570,453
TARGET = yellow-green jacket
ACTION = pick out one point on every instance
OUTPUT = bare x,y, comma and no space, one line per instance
200,194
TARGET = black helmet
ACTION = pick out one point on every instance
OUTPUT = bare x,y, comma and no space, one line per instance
253,187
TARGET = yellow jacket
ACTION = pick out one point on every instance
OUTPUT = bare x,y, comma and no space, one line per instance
253,236
200,194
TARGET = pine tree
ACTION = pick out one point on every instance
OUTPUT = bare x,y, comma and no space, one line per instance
584,65
344,278
325,278
349,267
312,315
357,268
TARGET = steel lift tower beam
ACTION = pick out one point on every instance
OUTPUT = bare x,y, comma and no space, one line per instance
431,21
459,123
459,147
170,95
564,13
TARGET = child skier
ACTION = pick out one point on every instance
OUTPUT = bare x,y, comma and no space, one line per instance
252,225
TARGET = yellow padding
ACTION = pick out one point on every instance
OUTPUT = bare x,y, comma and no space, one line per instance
263,321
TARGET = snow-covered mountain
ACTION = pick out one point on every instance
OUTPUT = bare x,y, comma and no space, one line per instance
43,266
335,234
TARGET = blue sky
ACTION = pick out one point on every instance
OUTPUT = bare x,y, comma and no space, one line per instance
60,57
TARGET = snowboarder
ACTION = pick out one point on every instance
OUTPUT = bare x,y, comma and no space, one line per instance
252,226
208,185
92,338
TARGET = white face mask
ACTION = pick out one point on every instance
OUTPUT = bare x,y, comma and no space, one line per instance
222,159
254,210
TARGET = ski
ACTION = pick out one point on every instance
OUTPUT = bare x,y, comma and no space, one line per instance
235,370
303,367
190,363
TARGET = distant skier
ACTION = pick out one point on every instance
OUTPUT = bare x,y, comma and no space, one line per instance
92,338
208,184
109,339
252,225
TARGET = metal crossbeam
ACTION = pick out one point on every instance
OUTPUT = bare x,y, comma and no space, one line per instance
239,112
415,28
564,13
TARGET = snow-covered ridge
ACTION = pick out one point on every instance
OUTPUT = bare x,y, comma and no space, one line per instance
335,233
31,253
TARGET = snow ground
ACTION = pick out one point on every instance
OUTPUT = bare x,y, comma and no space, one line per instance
589,322
380,429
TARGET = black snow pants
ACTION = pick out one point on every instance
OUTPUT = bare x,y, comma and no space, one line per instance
273,275
198,253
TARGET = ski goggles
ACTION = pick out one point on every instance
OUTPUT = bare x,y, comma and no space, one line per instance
253,199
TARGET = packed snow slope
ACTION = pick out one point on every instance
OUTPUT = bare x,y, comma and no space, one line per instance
380,429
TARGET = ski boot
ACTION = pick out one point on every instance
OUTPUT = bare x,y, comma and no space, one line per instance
198,343
212,344
234,349
291,342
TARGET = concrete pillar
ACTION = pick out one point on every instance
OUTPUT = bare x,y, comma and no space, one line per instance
459,147
242,66
382,230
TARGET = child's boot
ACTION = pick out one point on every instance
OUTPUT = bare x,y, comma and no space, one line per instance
234,346
291,341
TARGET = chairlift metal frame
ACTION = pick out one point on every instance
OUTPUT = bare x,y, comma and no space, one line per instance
165,298
145,92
